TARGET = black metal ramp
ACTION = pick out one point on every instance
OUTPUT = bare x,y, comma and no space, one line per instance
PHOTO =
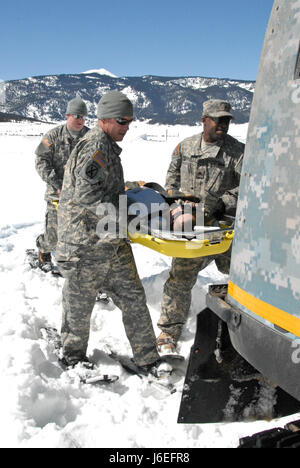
221,386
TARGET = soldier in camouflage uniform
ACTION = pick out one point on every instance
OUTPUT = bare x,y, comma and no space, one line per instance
206,166
51,157
94,176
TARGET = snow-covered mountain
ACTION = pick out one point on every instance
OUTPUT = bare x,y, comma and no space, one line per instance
100,71
157,99
5,117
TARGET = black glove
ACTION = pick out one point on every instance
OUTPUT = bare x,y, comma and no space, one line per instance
214,208
219,210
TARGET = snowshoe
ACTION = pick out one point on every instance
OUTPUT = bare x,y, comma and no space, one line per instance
158,369
38,260
85,370
156,374
83,362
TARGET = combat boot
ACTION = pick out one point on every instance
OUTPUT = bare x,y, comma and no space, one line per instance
45,261
44,257
166,345
158,369
82,361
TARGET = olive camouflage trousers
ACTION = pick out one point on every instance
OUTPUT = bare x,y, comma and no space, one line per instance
177,294
47,241
110,268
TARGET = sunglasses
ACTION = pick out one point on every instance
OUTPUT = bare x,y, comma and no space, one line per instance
221,120
78,116
121,121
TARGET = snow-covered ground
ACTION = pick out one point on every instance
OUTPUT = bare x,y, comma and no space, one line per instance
39,406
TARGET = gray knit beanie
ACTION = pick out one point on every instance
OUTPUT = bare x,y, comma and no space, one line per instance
77,106
113,105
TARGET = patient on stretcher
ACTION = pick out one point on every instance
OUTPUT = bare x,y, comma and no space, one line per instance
154,212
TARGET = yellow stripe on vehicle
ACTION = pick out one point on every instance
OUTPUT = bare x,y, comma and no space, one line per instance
277,316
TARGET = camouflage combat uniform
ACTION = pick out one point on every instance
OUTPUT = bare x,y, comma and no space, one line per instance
52,155
94,175
211,173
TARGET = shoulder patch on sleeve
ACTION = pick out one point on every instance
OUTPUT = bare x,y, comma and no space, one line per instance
91,172
100,159
47,142
176,150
